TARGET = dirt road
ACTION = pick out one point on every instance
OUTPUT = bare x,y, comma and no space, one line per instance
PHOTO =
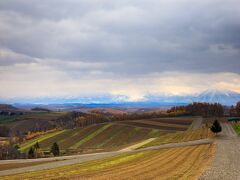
88,157
135,146
226,164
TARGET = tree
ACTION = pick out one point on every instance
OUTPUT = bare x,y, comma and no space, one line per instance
232,111
31,153
238,108
216,127
36,146
37,150
17,147
55,149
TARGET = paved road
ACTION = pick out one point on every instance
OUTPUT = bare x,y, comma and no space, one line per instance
88,157
226,163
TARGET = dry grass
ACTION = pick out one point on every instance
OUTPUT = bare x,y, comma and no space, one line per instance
159,123
174,163
166,124
185,136
20,165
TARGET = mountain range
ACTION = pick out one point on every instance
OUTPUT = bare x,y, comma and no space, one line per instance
210,96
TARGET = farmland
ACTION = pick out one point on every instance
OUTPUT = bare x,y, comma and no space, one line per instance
20,165
184,136
30,116
183,162
31,122
176,163
165,124
113,136
95,137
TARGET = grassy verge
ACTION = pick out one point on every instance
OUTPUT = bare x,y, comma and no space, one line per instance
236,127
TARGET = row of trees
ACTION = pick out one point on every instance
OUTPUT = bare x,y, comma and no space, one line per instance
10,152
200,109
36,152
235,110
196,109
13,151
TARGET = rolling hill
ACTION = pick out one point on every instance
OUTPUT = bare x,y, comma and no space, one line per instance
94,138
109,136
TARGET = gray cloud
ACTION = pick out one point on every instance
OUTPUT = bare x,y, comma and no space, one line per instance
94,38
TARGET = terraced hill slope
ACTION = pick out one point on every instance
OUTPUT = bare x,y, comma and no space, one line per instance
111,136
168,124
96,137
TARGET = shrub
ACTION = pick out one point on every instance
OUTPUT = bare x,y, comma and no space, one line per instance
55,149
216,127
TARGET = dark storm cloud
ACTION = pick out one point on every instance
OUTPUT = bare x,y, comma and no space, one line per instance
131,37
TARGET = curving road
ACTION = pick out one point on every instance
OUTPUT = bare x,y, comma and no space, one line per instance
226,163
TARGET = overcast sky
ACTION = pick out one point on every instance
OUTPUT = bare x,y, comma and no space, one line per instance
120,47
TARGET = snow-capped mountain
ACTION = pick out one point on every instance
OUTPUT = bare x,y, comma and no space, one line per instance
223,97
211,96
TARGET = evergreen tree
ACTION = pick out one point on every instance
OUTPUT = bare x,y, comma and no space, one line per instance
36,146
216,127
55,149
31,153
238,108
17,147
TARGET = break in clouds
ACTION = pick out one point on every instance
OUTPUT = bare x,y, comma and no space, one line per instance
82,47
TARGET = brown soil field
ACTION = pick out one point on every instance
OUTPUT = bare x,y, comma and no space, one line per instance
20,165
160,127
157,123
173,121
189,135
174,163
76,135
115,136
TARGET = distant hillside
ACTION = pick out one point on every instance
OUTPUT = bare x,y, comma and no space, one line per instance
5,107
38,109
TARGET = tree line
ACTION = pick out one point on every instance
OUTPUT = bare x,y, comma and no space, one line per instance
235,110
200,109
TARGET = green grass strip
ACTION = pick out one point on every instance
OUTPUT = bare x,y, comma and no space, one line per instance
30,143
236,127
90,136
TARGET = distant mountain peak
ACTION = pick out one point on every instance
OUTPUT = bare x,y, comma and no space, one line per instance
225,97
